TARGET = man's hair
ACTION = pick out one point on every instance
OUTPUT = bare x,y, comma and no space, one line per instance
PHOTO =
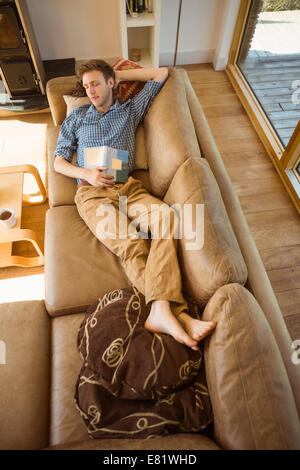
96,64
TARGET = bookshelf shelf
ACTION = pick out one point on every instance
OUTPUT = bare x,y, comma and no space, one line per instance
141,33
144,19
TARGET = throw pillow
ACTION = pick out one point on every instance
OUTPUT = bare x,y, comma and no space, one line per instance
73,102
135,383
127,90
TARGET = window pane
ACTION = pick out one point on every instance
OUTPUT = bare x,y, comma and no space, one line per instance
269,59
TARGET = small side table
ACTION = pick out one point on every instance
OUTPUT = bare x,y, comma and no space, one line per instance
11,196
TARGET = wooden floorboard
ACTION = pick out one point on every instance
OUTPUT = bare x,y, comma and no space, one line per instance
23,137
270,213
282,257
271,79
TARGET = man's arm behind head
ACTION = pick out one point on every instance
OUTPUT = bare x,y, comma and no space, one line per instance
159,74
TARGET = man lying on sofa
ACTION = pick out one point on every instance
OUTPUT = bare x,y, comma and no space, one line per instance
153,271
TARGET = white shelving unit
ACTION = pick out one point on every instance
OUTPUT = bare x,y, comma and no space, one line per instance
141,33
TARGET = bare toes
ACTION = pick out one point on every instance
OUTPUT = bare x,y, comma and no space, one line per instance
203,332
202,335
187,340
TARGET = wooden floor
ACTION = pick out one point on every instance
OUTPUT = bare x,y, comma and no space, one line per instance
23,141
272,78
271,216
272,65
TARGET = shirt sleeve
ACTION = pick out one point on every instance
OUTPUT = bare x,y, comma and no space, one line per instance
67,141
142,101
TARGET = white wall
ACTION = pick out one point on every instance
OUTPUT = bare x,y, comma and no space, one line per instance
82,29
198,33
229,16
86,29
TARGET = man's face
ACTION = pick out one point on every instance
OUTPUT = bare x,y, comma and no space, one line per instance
97,89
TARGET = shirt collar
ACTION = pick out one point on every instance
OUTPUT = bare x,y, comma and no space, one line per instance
93,110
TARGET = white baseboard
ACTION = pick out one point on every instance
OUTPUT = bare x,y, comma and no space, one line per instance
187,57
220,63
203,56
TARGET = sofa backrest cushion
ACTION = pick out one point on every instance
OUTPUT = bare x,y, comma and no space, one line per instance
169,133
252,400
209,254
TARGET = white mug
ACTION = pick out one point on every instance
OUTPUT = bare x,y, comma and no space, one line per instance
7,217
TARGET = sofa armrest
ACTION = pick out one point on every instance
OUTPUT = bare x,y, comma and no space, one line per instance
61,188
258,279
24,375
252,400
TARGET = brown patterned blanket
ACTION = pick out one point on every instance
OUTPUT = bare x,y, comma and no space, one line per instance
134,383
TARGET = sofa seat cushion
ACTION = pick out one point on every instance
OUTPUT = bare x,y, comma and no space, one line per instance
182,441
134,383
252,400
24,375
211,257
78,268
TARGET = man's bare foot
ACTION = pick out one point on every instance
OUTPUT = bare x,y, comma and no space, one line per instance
162,320
196,329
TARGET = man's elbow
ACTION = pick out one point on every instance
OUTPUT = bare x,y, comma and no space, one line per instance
57,163
162,74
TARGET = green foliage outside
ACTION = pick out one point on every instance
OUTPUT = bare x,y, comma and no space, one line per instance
281,5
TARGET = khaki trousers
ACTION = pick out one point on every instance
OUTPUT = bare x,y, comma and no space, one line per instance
122,218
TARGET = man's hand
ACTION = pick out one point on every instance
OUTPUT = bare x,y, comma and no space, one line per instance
96,177
117,81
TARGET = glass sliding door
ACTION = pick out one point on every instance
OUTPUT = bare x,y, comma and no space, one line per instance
264,69
269,59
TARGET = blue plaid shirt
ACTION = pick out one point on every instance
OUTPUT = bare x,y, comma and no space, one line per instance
86,127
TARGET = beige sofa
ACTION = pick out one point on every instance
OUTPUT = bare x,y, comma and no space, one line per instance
253,383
